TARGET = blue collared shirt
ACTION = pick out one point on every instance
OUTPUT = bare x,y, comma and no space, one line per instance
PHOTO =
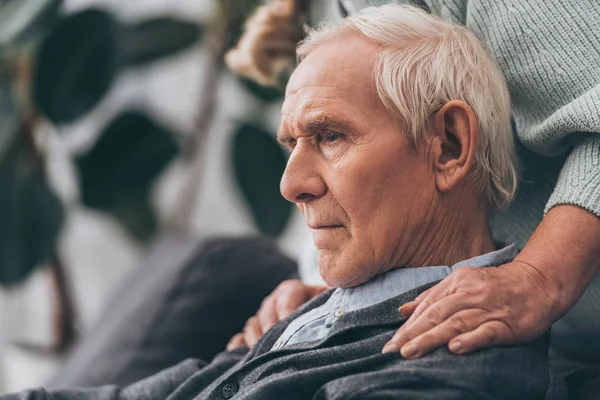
316,323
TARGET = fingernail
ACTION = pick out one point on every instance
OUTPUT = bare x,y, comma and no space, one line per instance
400,309
389,348
409,350
455,347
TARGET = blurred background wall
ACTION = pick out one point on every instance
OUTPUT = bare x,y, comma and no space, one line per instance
96,249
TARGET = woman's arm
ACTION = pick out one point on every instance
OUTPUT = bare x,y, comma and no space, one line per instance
515,303
547,52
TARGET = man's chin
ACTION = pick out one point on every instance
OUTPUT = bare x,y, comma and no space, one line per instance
338,274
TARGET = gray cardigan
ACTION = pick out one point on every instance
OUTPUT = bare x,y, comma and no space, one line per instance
346,364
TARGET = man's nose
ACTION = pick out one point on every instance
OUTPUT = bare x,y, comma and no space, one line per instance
301,180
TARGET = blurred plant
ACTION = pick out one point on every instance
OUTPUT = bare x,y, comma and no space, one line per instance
59,67
78,61
257,168
116,175
263,57
9,109
24,22
226,29
30,212
259,163
266,52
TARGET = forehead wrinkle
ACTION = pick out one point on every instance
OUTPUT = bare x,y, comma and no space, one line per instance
295,111
304,104
309,89
291,91
329,104
335,97
341,105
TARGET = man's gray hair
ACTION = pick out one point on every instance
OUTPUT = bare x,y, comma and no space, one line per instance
426,62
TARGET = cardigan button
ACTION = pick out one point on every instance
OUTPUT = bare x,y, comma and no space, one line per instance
278,344
229,389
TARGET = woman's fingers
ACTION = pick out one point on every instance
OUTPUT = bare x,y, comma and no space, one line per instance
314,291
459,323
429,320
491,333
284,300
289,296
408,308
252,331
236,341
267,315
475,308
426,299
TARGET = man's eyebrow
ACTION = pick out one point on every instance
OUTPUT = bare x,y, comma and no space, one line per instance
324,122
316,125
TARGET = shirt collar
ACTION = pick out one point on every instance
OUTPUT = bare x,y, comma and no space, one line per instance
390,284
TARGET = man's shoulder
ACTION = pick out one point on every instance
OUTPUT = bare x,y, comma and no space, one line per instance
499,372
351,356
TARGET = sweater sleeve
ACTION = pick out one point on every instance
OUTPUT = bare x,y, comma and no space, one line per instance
579,180
549,53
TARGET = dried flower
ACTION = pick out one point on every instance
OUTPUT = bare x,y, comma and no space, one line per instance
267,50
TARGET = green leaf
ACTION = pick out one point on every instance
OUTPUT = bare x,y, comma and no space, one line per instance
80,59
138,217
31,216
116,175
259,163
76,65
9,114
158,38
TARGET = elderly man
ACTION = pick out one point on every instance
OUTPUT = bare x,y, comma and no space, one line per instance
396,158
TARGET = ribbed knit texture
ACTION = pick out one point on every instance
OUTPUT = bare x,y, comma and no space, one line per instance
579,181
549,52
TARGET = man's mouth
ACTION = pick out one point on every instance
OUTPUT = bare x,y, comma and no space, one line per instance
324,226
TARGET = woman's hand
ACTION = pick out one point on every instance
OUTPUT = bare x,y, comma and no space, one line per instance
286,298
474,308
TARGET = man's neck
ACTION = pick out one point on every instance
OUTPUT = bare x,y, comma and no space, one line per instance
457,235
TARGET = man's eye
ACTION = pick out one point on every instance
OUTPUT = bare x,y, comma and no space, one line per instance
332,137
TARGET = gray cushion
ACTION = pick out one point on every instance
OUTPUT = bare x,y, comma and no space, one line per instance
186,300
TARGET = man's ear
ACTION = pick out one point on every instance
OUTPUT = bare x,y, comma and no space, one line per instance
454,144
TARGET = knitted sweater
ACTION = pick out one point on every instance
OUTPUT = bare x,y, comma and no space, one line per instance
549,52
